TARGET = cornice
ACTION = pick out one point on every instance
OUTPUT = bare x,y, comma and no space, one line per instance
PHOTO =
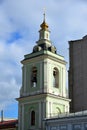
41,56
42,95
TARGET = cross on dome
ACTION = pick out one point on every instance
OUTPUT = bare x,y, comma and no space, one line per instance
44,14
44,25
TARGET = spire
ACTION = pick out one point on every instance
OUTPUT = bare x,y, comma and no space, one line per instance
44,25
44,15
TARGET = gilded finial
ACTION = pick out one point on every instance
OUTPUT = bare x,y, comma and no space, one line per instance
44,25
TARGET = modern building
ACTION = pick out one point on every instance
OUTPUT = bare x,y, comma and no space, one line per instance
78,74
43,91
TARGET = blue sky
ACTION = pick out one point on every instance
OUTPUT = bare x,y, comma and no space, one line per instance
19,25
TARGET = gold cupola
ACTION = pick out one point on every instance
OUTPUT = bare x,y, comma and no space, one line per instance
44,25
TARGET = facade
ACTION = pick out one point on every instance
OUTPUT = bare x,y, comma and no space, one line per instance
72,121
78,74
9,125
43,91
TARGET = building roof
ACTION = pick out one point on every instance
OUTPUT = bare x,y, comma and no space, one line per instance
8,124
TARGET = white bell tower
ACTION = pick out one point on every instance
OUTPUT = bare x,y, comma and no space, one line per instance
43,91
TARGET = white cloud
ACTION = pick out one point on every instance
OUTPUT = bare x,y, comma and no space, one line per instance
9,91
10,70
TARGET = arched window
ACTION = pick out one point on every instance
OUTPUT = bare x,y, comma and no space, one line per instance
32,118
58,110
34,76
55,78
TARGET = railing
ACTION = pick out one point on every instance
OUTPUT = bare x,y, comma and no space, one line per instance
62,115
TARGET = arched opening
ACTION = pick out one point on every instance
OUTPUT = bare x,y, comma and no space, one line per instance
58,110
34,77
55,78
32,118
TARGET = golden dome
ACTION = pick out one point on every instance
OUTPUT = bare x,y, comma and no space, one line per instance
44,25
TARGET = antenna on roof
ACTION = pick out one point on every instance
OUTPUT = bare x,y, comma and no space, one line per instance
2,115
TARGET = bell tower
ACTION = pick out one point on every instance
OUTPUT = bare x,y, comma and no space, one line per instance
43,91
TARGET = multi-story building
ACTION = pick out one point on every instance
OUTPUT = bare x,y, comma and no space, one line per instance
78,74
43,91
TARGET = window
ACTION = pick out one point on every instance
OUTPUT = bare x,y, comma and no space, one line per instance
55,78
32,118
77,127
46,35
41,36
85,126
58,110
34,76
63,127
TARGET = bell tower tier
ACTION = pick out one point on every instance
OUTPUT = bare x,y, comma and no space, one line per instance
43,91
44,42
44,72
44,34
